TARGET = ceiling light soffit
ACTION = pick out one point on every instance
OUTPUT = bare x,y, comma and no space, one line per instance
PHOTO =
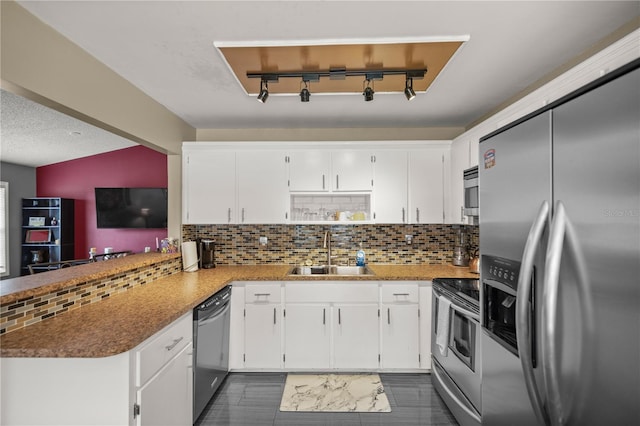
339,68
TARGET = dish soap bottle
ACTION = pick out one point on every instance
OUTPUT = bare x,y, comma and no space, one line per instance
360,258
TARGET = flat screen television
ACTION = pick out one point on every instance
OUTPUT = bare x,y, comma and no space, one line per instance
131,207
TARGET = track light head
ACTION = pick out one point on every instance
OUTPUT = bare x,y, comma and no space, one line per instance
264,92
368,92
408,89
304,93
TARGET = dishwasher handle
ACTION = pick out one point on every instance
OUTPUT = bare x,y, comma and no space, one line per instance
214,314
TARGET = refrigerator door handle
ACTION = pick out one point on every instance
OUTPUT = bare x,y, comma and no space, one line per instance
562,230
523,328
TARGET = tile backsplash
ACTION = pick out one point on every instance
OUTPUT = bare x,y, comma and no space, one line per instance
293,244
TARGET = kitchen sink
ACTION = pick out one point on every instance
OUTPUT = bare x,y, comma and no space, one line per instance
331,270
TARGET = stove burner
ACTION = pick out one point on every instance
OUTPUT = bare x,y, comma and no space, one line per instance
467,288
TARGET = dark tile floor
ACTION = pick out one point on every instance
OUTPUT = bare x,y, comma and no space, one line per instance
254,399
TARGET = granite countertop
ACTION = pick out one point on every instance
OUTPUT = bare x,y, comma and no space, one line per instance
123,321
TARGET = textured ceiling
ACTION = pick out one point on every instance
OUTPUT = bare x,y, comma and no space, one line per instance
35,135
167,50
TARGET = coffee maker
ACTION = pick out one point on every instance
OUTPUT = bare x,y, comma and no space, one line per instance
206,253
460,249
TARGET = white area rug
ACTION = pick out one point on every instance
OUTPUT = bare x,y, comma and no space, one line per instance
334,393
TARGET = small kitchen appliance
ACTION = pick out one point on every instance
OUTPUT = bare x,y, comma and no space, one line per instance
460,249
206,252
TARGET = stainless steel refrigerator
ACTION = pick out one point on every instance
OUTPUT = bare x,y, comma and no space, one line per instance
560,266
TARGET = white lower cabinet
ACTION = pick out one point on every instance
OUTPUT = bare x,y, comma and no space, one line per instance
167,398
164,376
335,325
400,326
308,336
356,339
263,326
262,339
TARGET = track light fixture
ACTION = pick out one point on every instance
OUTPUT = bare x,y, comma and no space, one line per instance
368,91
408,89
339,74
304,93
264,91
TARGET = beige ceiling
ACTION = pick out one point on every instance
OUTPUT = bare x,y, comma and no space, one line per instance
167,51
432,56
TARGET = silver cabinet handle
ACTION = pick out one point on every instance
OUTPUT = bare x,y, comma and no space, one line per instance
243,215
274,315
324,316
262,294
339,317
400,294
323,185
337,182
562,230
523,332
462,214
403,216
417,215
389,316
229,215
175,343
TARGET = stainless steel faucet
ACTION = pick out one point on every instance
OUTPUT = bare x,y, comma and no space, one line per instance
327,245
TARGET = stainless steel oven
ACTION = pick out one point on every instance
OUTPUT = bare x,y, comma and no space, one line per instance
455,340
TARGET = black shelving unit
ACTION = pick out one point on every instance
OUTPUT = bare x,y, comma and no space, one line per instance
47,232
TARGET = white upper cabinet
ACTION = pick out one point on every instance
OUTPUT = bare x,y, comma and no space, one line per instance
208,186
276,183
318,170
309,170
427,170
262,187
351,170
390,187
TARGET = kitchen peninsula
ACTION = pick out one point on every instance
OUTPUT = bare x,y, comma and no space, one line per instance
109,342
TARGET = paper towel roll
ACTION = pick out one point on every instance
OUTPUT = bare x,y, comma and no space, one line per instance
189,256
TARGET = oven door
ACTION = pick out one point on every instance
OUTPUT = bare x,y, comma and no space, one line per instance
462,361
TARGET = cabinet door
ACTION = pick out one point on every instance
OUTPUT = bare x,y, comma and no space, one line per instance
167,398
262,336
426,186
356,336
307,336
262,187
400,336
390,187
459,162
351,171
425,326
309,170
208,187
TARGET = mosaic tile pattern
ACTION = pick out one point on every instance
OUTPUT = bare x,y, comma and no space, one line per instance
22,313
293,244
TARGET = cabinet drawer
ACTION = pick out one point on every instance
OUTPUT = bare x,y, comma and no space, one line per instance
159,349
332,292
400,293
262,293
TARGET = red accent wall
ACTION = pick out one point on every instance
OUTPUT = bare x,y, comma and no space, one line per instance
137,166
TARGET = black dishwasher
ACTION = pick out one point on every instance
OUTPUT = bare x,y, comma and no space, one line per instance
211,321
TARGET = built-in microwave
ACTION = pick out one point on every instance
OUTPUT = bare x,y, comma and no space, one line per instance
471,204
